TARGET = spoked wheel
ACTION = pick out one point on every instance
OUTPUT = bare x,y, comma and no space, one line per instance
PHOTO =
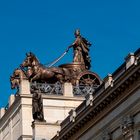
88,79
86,83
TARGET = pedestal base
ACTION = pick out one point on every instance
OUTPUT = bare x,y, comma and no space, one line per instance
39,130
44,130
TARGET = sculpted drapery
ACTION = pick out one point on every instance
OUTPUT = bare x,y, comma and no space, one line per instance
81,50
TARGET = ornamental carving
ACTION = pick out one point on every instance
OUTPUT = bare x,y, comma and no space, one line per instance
127,126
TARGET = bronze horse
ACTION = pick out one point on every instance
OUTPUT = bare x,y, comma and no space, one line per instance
15,82
38,72
18,74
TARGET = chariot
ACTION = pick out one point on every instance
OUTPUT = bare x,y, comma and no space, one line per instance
79,75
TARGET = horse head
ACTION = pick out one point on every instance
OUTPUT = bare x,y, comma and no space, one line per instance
19,73
30,60
14,82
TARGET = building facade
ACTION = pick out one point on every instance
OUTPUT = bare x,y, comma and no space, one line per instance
16,122
112,112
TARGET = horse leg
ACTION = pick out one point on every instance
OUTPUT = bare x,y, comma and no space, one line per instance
60,77
35,77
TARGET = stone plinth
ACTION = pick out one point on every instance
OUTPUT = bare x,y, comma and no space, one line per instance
24,87
39,130
68,89
43,130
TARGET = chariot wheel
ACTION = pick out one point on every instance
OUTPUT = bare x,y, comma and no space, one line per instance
86,83
88,78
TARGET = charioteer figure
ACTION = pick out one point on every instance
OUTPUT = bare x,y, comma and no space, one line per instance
81,50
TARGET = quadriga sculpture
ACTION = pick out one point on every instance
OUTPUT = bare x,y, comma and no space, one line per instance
38,72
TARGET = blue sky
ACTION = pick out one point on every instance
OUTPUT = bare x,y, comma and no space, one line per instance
46,28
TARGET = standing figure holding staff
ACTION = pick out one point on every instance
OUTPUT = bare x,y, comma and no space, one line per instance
81,50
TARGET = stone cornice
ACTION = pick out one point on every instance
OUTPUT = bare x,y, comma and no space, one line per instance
55,97
78,98
103,103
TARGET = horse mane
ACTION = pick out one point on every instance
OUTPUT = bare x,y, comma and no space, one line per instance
35,58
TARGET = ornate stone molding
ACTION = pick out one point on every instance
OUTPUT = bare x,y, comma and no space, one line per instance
127,126
107,136
48,89
84,89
